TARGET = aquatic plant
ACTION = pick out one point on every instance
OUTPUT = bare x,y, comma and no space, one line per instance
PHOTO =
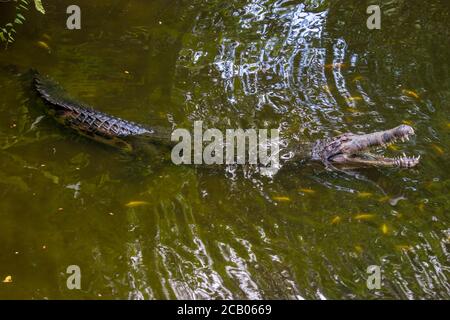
8,31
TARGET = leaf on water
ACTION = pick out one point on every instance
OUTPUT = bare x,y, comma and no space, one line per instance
133,204
281,198
364,216
39,6
8,279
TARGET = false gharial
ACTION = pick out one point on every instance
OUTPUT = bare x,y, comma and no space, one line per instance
345,150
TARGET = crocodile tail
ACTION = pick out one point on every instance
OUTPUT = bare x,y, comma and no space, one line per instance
51,92
85,120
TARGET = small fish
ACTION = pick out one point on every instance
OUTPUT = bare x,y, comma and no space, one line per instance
133,204
403,247
408,122
411,93
384,228
336,220
438,149
43,45
8,279
307,190
281,198
354,98
365,194
364,216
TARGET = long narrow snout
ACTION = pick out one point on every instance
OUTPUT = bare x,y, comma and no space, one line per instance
381,138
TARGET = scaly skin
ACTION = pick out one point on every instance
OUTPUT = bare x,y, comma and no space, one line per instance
351,149
94,124
347,150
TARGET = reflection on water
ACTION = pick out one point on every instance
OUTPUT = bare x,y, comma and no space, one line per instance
310,68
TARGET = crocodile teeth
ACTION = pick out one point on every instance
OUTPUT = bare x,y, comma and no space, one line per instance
406,162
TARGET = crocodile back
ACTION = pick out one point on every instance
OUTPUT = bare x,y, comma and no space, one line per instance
88,121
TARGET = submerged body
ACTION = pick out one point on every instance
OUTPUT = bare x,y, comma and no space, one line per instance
347,149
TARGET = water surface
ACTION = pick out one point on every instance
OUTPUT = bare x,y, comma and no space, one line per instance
310,68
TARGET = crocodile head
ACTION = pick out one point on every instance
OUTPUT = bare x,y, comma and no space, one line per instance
351,149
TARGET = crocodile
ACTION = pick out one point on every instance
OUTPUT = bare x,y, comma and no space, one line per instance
344,150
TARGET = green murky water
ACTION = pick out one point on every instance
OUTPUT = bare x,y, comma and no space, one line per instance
311,68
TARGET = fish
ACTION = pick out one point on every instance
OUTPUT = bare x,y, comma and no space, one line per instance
43,45
411,93
336,220
307,190
133,204
364,216
281,198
